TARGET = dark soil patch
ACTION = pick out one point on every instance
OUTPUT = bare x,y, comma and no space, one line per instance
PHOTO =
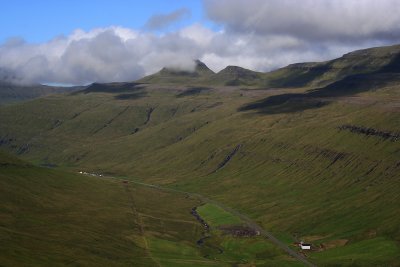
239,231
386,135
228,157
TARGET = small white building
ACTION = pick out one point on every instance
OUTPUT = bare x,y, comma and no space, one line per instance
305,246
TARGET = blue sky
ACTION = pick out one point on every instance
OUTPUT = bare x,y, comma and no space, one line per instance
41,20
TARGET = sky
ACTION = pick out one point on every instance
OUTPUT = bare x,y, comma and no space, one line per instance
42,20
79,42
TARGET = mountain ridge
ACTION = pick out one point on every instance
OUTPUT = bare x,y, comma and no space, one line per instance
293,75
14,93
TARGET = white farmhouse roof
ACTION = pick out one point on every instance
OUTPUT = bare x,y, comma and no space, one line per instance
305,246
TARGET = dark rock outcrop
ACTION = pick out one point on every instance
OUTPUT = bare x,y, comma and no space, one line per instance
386,135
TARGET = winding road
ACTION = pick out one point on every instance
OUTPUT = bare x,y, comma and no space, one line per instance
243,217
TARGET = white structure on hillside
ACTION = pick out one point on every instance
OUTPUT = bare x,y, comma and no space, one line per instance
305,246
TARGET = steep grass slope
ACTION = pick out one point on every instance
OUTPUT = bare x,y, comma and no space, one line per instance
53,218
322,73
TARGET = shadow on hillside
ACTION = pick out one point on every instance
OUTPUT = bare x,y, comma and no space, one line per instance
350,85
110,88
131,96
193,91
285,103
299,78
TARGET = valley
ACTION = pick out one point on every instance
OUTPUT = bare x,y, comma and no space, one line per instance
308,152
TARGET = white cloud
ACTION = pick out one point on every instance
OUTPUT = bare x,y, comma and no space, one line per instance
338,20
161,21
199,34
100,55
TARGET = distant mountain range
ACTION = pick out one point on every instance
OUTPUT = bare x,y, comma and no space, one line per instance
11,93
380,59
313,74
202,75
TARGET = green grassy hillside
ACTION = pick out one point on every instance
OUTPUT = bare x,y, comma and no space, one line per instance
11,93
319,164
54,218
322,73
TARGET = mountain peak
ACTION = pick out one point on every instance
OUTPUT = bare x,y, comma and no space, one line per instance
171,75
236,69
202,68
236,72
